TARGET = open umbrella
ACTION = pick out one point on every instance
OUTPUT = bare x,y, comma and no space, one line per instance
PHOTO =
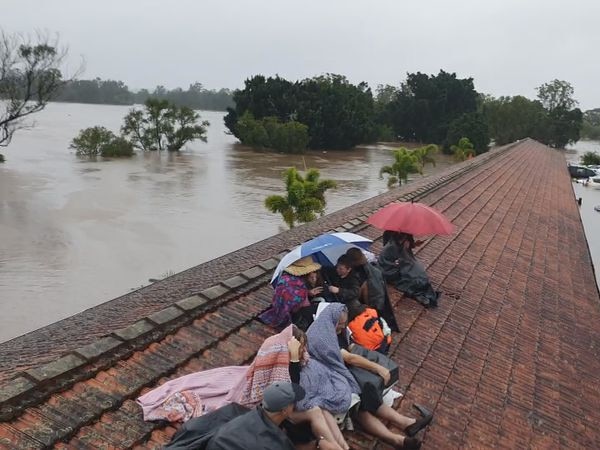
325,249
413,218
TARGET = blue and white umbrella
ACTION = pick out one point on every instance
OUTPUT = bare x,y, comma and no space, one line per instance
325,249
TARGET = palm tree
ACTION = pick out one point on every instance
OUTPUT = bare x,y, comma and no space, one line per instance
425,155
463,150
305,197
405,162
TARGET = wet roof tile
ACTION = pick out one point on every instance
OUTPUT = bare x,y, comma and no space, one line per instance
508,360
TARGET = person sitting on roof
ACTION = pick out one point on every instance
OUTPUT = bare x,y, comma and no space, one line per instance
401,268
368,329
342,283
201,393
303,317
373,288
329,384
291,293
260,428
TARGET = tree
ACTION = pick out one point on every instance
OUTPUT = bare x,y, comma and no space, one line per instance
163,126
557,94
405,163
95,141
90,141
512,118
590,128
425,105
590,159
463,150
564,121
263,97
425,155
304,199
96,91
338,114
472,126
562,127
30,76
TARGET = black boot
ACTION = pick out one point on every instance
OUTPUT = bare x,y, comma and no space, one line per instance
410,444
421,423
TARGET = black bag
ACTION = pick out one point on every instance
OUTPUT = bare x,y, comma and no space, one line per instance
364,376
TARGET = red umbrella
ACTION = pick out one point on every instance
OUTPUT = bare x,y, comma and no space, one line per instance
413,218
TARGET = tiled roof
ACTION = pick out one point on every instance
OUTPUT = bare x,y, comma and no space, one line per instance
510,359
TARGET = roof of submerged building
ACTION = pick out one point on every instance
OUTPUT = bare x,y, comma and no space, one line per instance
510,358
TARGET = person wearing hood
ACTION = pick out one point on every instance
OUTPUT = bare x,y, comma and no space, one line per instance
401,268
373,288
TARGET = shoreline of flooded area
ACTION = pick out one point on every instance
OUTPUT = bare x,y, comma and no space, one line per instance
77,233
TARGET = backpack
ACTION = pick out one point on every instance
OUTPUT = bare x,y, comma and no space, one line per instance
367,330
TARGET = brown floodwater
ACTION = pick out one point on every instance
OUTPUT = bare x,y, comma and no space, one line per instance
76,233
590,198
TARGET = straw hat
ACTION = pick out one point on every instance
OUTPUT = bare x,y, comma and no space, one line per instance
303,266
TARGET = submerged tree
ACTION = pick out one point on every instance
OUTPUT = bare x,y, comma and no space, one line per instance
163,126
463,150
304,198
95,141
590,159
425,155
564,120
30,77
405,163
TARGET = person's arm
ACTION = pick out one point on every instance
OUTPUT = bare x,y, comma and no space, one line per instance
294,370
294,365
351,289
359,361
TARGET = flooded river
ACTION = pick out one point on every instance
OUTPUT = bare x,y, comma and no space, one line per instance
76,233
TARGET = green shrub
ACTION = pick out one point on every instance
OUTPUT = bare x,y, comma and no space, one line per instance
290,137
385,133
2,158
590,159
269,132
251,131
118,147
95,141
89,142
472,126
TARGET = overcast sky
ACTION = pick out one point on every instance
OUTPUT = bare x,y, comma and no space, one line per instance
508,46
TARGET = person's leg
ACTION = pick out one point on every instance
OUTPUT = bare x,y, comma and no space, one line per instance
374,426
323,445
408,425
388,413
318,424
335,429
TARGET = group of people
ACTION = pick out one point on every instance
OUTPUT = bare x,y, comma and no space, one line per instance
316,373
359,284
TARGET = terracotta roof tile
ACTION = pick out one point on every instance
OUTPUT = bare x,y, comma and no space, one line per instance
508,360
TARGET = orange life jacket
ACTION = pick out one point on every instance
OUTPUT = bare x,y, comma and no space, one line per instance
367,331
